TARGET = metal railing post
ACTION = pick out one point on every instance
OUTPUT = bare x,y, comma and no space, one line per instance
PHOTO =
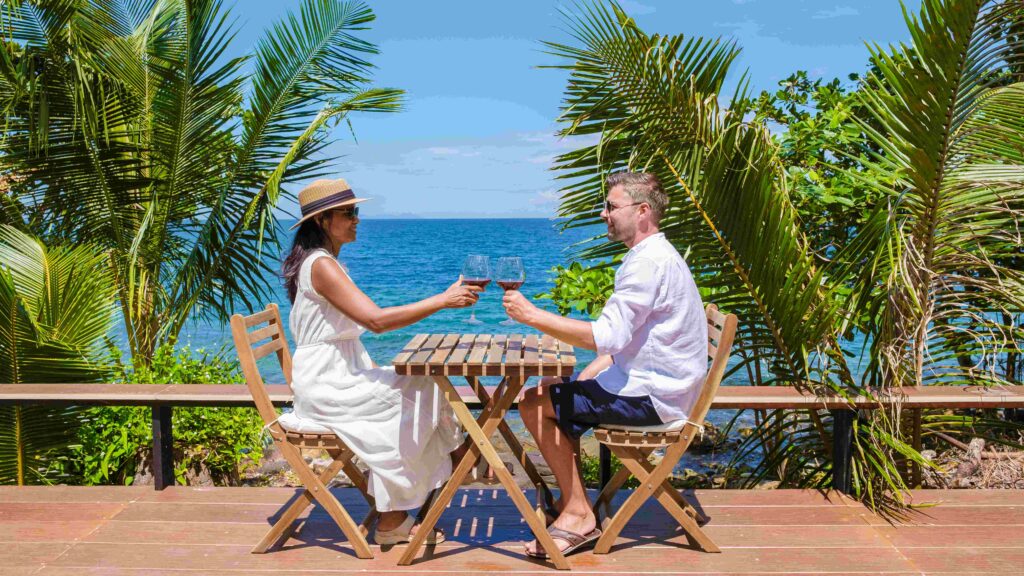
163,447
842,449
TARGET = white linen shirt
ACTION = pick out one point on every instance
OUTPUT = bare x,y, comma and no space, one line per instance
655,329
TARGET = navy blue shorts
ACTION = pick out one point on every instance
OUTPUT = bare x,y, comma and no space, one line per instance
582,404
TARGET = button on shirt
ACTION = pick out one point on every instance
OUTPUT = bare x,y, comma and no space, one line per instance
655,329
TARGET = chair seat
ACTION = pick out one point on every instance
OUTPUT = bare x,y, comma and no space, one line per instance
293,423
672,426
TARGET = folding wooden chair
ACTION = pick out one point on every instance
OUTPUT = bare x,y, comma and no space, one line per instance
633,445
291,439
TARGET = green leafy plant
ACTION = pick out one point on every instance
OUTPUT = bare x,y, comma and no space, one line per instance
56,305
113,440
580,290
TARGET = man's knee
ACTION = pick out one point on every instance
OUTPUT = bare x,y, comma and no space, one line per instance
549,380
528,404
531,407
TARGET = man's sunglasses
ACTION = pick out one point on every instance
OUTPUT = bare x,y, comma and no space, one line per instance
609,207
351,212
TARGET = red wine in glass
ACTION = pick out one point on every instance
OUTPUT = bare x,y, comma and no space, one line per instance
510,276
476,271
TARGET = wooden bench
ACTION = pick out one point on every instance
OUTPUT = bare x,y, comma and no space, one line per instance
162,398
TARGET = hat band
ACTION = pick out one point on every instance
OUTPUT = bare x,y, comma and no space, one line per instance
326,201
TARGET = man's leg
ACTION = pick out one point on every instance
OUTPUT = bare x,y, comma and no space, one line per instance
559,453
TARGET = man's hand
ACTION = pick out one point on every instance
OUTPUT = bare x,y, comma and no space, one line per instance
518,307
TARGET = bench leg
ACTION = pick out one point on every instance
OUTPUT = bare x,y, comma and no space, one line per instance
842,449
163,448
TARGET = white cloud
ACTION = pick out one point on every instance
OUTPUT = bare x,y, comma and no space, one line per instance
837,12
501,176
546,198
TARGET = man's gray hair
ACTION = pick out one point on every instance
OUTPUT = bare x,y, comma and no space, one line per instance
641,187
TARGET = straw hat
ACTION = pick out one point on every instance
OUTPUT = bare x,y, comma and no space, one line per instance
324,195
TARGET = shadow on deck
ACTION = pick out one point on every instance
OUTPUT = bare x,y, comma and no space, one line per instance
76,531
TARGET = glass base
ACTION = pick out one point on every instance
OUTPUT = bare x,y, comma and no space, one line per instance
472,320
509,322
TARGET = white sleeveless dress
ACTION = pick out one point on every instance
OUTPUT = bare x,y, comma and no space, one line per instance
401,427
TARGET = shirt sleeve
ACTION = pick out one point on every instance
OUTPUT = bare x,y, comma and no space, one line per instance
628,308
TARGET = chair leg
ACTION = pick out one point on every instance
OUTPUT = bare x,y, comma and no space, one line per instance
653,481
604,499
359,481
642,459
625,512
285,525
321,494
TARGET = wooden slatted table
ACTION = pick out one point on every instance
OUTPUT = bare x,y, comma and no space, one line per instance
515,358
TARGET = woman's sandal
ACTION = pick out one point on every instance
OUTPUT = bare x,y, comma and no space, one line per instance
576,541
403,534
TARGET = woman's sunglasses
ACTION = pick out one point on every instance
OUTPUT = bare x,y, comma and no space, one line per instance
351,212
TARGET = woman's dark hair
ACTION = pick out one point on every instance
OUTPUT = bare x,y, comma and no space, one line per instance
309,237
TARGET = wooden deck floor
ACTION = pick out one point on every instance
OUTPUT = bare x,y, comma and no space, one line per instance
72,531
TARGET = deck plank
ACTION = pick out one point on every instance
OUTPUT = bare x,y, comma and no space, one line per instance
124,531
943,559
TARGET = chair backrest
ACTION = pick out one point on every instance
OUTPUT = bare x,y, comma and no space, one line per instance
721,331
248,335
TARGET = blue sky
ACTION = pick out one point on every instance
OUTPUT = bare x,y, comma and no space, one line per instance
477,136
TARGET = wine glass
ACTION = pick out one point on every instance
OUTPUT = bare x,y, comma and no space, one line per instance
476,271
510,276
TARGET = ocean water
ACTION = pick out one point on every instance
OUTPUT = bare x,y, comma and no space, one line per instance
397,262
401,261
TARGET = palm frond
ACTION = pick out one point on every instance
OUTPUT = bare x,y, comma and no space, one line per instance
654,101
949,107
307,62
56,306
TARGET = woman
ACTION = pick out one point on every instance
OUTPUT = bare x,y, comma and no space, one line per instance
399,426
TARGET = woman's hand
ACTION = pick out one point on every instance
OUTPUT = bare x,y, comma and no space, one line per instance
459,295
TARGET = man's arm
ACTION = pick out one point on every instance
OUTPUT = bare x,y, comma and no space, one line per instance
623,314
575,332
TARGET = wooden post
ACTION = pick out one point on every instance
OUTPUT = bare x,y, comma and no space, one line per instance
915,468
842,449
163,448
604,470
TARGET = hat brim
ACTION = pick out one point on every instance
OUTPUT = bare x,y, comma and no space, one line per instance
341,204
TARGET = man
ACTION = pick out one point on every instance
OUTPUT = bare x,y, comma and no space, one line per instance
651,341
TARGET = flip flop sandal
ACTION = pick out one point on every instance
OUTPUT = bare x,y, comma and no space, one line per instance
576,541
403,534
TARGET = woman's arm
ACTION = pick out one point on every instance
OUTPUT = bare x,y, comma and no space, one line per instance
333,284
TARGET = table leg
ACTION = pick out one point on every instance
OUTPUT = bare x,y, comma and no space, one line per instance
480,436
441,500
514,445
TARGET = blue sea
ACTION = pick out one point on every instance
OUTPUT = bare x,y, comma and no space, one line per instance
401,261
397,262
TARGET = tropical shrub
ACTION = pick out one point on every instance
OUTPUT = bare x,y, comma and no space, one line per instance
56,305
114,440
580,290
124,126
930,276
